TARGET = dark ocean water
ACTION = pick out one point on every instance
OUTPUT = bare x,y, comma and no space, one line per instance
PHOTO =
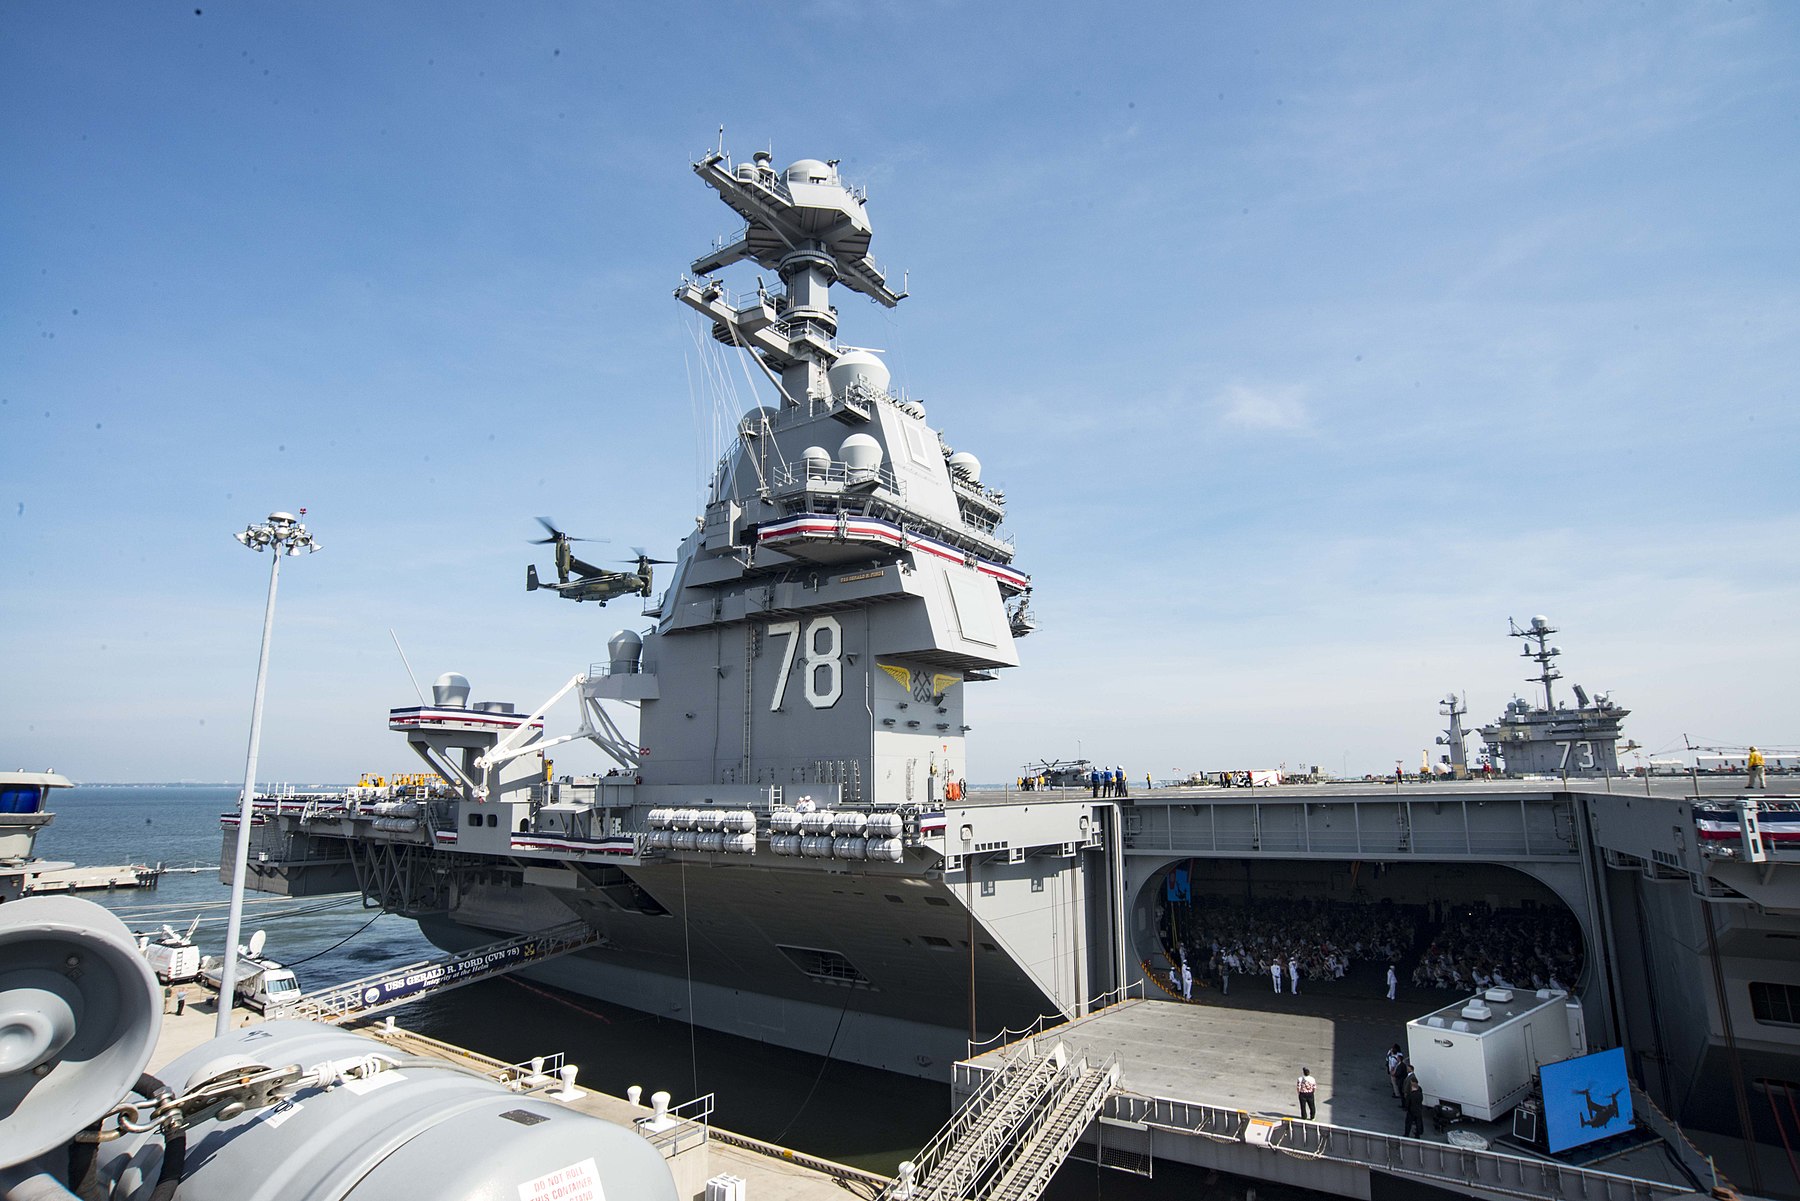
851,1114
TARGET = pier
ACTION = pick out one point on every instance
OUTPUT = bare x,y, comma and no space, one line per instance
93,879
1213,1087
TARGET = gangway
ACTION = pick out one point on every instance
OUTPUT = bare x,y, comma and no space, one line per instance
1059,1127
1009,1138
394,987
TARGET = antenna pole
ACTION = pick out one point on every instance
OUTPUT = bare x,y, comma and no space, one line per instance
235,918
408,666
284,536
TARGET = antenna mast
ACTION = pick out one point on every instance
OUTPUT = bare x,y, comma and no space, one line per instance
1543,654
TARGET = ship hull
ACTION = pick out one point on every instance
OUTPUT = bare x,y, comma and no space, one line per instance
908,1047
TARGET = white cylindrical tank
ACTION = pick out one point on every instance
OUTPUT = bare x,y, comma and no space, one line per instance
846,824
817,822
737,821
816,846
966,464
785,844
710,819
740,844
712,841
661,840
784,821
450,691
884,825
856,847
431,1130
861,455
857,366
886,850
686,840
685,819
625,652
658,819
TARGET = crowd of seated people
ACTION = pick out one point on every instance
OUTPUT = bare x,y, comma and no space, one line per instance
1478,948
1324,939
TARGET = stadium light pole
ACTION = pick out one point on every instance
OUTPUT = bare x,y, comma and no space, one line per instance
283,534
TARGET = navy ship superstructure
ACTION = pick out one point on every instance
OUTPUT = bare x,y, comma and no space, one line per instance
786,848
1552,739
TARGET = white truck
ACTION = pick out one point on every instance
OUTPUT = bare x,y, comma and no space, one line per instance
172,956
1482,1052
262,984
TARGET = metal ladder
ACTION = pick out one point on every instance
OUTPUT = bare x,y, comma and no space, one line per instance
1043,1148
1011,1136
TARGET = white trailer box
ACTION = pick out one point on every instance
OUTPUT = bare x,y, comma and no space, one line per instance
1482,1052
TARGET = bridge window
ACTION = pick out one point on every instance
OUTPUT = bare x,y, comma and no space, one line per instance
1775,1004
829,966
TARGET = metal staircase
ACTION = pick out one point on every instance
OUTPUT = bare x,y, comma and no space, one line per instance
1042,1149
428,977
1007,1141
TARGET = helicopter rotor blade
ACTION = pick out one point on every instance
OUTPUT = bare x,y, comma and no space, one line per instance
557,535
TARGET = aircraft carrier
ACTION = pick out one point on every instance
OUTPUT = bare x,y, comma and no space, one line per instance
787,848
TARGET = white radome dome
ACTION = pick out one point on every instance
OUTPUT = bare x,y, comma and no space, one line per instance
861,453
811,170
450,690
966,463
857,366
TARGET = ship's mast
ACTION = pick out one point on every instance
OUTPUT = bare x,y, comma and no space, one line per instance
813,232
1538,649
1456,738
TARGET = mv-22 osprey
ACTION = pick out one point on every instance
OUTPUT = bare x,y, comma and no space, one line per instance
590,583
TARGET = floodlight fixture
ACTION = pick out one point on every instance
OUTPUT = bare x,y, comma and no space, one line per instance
285,533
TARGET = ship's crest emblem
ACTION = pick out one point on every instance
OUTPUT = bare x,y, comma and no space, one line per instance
923,685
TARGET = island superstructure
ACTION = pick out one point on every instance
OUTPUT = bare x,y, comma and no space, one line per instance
1553,739
784,849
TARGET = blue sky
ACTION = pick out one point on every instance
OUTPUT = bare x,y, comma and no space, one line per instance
1310,343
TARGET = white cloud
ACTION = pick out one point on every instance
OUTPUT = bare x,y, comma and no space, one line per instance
1280,409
